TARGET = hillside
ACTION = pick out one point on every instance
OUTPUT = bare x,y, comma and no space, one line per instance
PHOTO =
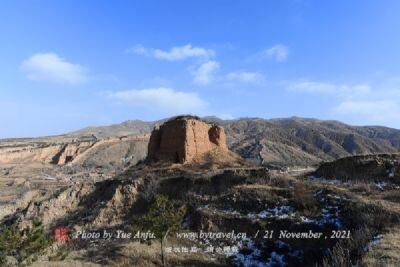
279,142
131,127
298,141
290,141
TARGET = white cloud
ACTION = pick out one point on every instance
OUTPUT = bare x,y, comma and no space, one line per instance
52,68
279,53
162,99
139,50
205,73
175,53
245,77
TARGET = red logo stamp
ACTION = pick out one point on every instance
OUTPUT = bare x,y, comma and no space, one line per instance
61,233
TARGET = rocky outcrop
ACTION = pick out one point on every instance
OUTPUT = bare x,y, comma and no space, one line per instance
70,152
114,152
28,153
111,151
59,154
185,139
383,167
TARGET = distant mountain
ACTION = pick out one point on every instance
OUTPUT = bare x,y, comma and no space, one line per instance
131,127
289,141
299,141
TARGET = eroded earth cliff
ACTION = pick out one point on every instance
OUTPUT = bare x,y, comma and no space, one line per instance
187,139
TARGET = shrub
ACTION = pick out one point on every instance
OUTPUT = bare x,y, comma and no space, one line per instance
163,217
22,244
348,252
372,216
304,199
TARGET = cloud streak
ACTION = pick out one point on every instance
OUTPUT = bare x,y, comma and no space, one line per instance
245,77
176,53
205,73
50,67
279,53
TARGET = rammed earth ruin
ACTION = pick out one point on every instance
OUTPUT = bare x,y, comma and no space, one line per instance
184,139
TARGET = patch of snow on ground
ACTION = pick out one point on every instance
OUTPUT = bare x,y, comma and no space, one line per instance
225,211
375,241
340,198
253,259
330,215
280,212
250,255
281,244
390,173
326,181
304,219
275,260
381,185
248,259
231,212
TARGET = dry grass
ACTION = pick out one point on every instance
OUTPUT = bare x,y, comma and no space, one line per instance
364,188
392,196
127,254
349,252
386,252
304,199
66,263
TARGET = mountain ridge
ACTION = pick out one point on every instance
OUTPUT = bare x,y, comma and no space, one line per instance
293,141
284,141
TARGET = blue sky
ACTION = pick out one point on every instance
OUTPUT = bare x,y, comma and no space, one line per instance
70,64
